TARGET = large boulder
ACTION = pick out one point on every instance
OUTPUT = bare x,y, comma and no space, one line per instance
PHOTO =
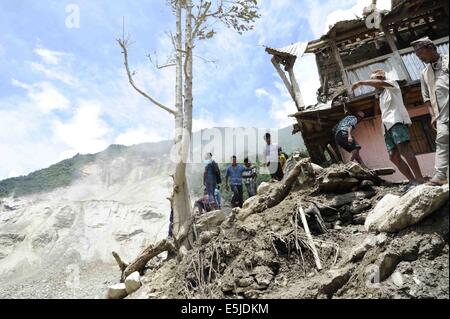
209,221
394,213
117,291
133,282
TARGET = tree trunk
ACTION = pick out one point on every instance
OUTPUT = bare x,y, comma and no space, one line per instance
180,200
188,101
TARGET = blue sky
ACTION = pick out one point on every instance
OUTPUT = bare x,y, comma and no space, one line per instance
63,90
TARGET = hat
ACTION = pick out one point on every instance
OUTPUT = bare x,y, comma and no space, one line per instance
422,42
377,73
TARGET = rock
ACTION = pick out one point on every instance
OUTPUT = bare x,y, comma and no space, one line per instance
341,200
263,188
359,219
397,279
117,291
371,241
263,276
210,221
133,282
251,201
317,168
206,236
387,263
367,183
245,282
357,207
335,280
394,213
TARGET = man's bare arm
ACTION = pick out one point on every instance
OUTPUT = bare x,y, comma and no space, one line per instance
378,84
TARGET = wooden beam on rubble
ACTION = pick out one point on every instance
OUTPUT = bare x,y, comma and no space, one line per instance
309,236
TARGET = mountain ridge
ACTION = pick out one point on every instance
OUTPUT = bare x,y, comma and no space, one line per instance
63,173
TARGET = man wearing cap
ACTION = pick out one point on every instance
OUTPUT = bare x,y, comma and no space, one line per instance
435,95
395,125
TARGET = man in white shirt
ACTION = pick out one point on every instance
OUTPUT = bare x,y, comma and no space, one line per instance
435,95
395,125
270,158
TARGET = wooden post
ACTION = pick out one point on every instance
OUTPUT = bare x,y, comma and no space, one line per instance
337,56
295,87
283,77
292,85
396,55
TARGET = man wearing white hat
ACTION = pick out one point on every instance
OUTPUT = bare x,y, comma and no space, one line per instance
435,95
395,125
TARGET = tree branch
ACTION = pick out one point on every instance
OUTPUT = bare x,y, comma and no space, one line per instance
123,45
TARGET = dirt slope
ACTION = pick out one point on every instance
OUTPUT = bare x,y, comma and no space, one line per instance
267,256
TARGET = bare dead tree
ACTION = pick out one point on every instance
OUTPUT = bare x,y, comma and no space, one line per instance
197,17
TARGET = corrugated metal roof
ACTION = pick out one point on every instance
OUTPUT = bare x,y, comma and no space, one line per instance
296,49
316,108
393,72
415,66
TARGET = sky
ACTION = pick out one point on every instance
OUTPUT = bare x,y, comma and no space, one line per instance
63,87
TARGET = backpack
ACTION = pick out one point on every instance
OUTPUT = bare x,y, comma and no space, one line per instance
217,172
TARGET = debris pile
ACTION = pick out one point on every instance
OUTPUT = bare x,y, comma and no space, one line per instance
304,237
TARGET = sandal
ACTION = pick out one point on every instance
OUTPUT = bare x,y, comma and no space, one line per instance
437,182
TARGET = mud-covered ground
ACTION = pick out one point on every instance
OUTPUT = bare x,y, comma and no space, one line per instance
267,256
72,282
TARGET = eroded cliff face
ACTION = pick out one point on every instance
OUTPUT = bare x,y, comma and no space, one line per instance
50,242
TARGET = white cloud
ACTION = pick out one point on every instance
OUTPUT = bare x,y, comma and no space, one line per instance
308,78
332,10
281,104
261,92
14,173
54,74
44,95
206,120
138,135
25,143
49,56
85,132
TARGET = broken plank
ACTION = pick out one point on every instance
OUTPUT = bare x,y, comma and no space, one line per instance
383,171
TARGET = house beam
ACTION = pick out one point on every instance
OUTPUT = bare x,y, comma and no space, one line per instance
296,96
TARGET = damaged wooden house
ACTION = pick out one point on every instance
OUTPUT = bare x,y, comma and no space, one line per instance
349,52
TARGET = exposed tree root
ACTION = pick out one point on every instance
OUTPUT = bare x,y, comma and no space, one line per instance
171,245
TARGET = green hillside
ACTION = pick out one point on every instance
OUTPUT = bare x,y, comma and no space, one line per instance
65,172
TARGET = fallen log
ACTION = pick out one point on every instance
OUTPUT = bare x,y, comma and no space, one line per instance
171,245
383,171
277,192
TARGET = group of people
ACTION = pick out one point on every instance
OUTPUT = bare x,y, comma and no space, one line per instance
238,176
396,120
